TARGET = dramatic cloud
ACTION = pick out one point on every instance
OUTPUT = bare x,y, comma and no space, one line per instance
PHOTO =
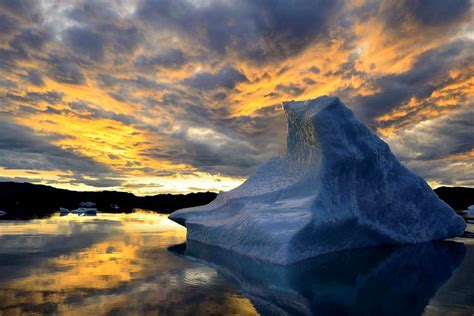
440,149
290,89
227,77
23,9
35,77
86,42
162,95
21,148
64,70
260,31
173,58
439,12
437,138
427,75
6,24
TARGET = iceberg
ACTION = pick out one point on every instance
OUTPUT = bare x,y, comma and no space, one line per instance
338,187
470,210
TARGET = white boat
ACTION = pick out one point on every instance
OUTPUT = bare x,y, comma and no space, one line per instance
79,211
2,213
85,211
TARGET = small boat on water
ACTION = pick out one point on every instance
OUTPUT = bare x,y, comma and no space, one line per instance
85,211
81,211
2,213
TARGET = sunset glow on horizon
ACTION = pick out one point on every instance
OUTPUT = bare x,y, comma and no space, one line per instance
157,96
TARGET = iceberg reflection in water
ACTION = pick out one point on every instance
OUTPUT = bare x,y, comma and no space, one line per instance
371,281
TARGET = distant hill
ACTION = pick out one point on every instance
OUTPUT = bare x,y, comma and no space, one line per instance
26,200
459,198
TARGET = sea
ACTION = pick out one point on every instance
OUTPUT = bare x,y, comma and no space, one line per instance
140,263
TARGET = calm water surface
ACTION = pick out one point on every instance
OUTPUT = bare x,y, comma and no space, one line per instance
138,263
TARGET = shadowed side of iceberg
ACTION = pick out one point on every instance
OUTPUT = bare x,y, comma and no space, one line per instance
338,187
365,196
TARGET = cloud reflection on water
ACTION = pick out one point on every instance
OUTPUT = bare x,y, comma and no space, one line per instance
105,264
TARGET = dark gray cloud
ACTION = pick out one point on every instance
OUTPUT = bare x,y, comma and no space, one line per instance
137,82
8,58
89,12
347,70
444,172
18,179
260,31
65,70
228,146
102,181
272,95
85,110
173,58
85,41
439,12
32,38
290,89
227,77
283,70
437,138
33,98
102,29
219,96
427,148
123,89
429,73
7,83
21,31
28,10
7,24
230,158
211,152
35,78
315,70
422,15
21,148
126,39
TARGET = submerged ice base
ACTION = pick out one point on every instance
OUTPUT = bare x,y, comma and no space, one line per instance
395,280
338,187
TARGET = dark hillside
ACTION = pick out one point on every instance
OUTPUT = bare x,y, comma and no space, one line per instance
26,200
459,198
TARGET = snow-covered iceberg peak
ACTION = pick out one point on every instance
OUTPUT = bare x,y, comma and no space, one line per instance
338,187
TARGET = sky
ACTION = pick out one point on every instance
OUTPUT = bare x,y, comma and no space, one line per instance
154,96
